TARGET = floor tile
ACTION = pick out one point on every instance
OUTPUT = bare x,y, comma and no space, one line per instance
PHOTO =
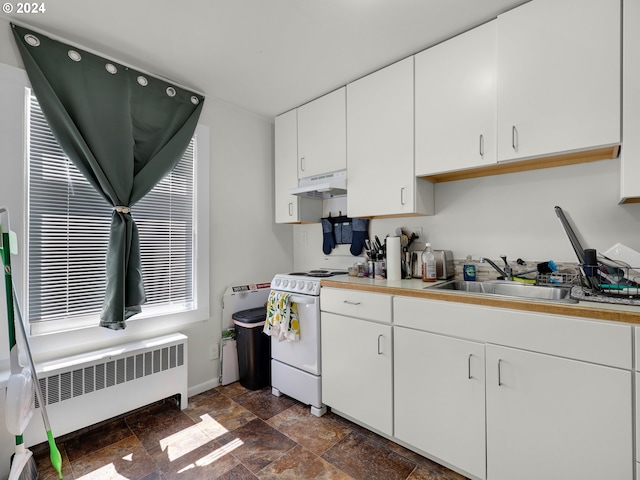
218,414
240,472
124,459
157,475
258,444
232,390
435,472
96,439
232,433
46,470
317,434
364,459
298,464
209,460
158,422
263,404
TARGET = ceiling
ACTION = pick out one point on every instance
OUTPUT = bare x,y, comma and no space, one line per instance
265,56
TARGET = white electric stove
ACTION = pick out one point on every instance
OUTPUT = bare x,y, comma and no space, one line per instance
296,366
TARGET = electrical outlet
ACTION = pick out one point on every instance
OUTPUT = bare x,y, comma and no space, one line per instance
417,231
214,352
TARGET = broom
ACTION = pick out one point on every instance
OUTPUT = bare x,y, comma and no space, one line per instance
18,404
20,386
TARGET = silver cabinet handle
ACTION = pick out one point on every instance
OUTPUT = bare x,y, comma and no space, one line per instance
291,209
514,137
402,202
302,165
379,349
481,146
499,372
469,366
349,302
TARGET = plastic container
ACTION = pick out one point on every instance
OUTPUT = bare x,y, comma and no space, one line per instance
429,270
469,270
254,348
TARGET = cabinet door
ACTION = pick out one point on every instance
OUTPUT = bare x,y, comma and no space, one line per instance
558,77
630,154
456,103
286,173
322,135
553,418
356,370
380,174
439,400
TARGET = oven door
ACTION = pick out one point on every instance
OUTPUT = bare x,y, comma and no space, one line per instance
304,353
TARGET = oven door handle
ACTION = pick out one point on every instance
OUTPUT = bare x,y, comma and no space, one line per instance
303,300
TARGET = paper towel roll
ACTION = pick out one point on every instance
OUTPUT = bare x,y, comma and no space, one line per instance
393,258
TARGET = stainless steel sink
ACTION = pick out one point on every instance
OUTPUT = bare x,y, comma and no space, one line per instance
508,289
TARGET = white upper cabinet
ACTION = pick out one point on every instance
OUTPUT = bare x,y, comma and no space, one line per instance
456,103
630,155
322,135
558,77
289,208
380,161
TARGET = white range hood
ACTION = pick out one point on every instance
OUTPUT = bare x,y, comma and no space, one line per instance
326,185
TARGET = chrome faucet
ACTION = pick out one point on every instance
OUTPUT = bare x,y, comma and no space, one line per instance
507,272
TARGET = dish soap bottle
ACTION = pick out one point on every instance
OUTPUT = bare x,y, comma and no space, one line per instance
428,265
469,270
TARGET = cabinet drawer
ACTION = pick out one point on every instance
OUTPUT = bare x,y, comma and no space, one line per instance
597,341
354,303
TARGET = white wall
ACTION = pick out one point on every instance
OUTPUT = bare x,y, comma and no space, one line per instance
245,244
510,214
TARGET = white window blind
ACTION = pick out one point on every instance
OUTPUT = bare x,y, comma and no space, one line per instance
68,234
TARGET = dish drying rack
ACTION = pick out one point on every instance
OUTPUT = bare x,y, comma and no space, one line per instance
609,282
558,279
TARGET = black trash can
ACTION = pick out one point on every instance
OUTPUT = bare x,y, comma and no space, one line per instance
254,348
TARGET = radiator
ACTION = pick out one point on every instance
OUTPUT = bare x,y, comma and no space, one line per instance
82,390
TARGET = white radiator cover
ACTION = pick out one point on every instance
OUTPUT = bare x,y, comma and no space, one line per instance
86,389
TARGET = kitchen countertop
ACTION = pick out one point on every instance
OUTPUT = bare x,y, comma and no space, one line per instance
416,288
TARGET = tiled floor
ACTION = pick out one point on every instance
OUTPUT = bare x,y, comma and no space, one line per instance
234,433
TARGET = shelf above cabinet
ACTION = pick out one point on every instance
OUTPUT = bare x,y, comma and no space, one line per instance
572,158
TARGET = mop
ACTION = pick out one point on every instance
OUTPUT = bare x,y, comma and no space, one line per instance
20,387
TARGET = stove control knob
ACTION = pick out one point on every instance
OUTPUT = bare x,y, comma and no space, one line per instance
285,283
300,285
276,282
310,286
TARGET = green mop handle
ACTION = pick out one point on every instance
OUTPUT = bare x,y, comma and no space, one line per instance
5,251
6,260
14,306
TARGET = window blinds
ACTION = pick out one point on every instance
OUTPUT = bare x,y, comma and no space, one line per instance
69,231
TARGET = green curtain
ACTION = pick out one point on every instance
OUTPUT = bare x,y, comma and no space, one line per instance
124,130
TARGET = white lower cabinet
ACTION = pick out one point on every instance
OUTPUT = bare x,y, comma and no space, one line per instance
554,393
554,418
439,395
356,370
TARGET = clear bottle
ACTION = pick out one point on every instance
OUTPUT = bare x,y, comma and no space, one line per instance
428,265
469,270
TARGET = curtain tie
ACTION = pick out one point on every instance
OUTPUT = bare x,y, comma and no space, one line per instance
122,209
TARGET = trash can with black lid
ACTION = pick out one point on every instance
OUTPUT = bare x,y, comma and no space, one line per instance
254,348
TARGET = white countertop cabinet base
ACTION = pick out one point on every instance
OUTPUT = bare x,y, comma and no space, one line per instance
554,418
439,393
356,370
